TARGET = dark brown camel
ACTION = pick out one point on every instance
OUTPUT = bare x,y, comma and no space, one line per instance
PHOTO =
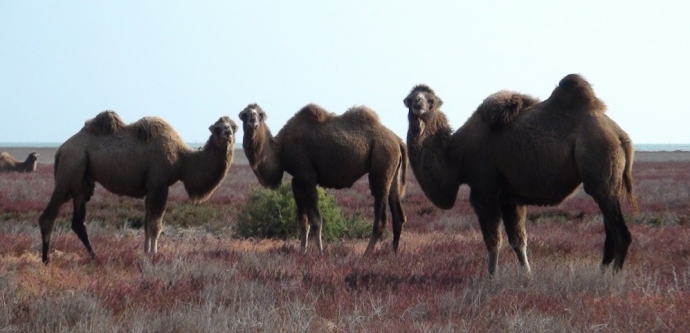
317,147
516,151
138,160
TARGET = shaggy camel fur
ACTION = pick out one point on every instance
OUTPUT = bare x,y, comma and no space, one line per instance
317,147
138,160
516,151
8,163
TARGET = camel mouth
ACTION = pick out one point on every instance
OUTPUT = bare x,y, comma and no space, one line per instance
417,110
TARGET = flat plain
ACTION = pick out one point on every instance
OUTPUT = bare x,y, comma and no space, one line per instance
204,279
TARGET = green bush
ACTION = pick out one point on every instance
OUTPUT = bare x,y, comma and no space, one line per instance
273,214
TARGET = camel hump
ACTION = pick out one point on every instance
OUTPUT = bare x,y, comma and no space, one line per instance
575,92
501,108
314,113
148,128
105,123
361,113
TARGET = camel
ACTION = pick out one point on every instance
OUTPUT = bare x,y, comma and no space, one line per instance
142,159
515,151
8,163
317,147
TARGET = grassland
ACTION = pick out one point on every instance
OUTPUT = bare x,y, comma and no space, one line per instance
206,280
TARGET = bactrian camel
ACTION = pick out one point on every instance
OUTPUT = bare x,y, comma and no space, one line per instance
8,163
317,147
515,151
139,160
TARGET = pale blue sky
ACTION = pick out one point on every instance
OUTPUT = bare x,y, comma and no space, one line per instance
190,62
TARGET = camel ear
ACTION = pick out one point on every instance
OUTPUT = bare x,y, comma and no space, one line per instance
406,101
210,128
262,116
234,128
242,115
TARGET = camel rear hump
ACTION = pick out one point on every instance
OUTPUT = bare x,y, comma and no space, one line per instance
314,113
105,123
361,113
148,128
575,93
501,108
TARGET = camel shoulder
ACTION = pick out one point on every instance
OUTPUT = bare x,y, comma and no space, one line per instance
503,107
105,123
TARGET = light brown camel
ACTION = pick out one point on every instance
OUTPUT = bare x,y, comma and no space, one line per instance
317,147
8,163
516,151
138,160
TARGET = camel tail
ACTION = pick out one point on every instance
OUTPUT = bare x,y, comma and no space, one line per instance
627,174
403,169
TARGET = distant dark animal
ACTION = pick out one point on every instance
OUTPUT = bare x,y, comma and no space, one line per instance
138,160
319,148
8,163
516,151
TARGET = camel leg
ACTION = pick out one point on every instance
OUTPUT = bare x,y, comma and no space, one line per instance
489,215
514,223
379,185
153,222
47,220
397,214
309,197
618,236
302,219
78,217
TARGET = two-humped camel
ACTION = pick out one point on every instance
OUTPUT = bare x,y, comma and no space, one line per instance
516,151
317,147
142,159
8,163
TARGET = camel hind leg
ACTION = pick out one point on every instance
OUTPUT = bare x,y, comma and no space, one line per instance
514,223
307,199
397,212
47,220
603,180
79,214
153,222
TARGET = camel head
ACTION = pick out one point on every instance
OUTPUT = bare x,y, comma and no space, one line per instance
33,157
421,100
223,132
252,116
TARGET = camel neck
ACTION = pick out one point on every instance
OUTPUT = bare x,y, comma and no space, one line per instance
263,154
204,170
428,142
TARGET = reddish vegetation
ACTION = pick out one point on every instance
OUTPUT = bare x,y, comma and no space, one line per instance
204,280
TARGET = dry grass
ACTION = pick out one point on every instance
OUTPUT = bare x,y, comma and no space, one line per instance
204,280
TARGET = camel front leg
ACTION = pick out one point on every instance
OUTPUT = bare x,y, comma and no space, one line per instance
489,214
153,222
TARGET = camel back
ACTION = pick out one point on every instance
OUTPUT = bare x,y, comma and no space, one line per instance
503,107
6,157
105,123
